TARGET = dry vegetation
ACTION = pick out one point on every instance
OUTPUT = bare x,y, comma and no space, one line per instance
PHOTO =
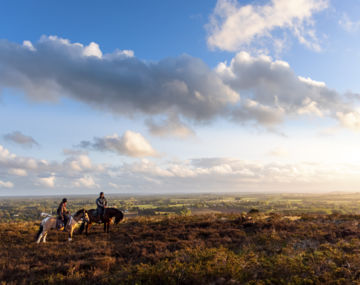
207,249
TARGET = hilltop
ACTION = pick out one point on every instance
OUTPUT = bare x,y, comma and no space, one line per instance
206,249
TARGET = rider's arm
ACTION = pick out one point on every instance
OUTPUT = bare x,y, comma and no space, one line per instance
62,212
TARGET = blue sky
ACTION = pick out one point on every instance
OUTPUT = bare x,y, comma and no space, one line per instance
153,29
179,96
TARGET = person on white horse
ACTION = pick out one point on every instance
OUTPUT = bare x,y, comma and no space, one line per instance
70,222
63,214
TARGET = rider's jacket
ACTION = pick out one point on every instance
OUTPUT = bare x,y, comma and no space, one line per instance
62,211
101,203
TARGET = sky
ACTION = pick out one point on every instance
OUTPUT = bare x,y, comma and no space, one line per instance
143,97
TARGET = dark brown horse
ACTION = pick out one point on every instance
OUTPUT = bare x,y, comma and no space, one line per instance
109,214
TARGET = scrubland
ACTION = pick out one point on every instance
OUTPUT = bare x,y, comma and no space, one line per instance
258,248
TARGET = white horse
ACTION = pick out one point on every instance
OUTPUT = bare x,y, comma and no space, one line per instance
49,223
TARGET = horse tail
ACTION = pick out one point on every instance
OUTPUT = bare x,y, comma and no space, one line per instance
41,228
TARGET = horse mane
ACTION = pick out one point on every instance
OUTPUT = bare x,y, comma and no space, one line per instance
78,212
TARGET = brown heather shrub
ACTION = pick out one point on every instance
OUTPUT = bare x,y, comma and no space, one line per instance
208,249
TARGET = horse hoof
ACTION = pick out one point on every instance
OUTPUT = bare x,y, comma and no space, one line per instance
70,239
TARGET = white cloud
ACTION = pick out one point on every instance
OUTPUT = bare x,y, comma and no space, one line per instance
28,45
10,160
47,181
271,91
147,167
79,163
310,107
120,54
7,184
234,26
171,126
86,181
130,143
348,25
312,82
349,120
93,49
18,172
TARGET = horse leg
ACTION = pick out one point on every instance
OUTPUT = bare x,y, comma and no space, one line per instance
39,238
70,234
108,227
82,227
88,226
40,234
104,227
44,238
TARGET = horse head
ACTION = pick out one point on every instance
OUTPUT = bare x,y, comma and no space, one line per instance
82,215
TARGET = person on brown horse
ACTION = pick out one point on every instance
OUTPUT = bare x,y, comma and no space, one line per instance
63,213
101,204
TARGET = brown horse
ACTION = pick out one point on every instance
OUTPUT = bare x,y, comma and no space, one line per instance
109,214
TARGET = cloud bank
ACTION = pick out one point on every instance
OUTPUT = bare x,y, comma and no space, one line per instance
116,82
272,91
180,91
79,173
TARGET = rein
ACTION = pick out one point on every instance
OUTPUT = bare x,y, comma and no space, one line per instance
72,218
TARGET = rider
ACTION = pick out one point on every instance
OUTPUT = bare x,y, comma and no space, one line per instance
63,212
101,204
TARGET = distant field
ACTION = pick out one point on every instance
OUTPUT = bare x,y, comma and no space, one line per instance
29,209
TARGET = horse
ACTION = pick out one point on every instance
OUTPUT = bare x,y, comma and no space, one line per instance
49,223
109,214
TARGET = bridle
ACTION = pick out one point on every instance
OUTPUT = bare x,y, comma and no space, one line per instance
85,217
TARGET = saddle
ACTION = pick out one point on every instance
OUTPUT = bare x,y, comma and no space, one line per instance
96,215
59,224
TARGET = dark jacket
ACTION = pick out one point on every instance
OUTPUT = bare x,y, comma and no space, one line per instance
101,203
62,211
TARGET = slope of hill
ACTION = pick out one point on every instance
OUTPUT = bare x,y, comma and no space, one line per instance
208,249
